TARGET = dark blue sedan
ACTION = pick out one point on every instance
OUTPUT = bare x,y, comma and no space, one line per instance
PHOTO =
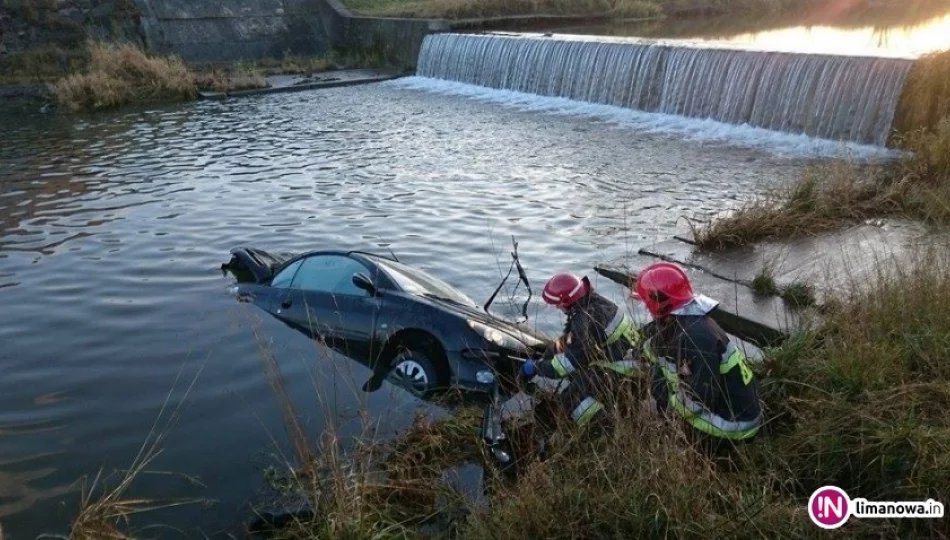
404,324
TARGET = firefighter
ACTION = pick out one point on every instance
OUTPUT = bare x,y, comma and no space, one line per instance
597,336
698,371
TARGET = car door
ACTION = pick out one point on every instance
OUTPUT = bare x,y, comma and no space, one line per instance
291,305
332,307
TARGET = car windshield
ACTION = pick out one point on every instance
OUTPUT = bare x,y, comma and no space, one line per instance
418,282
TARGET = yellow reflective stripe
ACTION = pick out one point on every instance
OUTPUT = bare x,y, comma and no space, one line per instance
667,368
622,326
710,423
562,365
734,357
614,324
648,352
623,367
584,412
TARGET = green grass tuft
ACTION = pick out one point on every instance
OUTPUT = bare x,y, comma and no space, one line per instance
799,295
763,284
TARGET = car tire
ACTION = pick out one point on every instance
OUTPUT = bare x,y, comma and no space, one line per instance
415,371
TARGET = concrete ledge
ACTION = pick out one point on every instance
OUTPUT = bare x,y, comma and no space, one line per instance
835,264
24,98
39,91
283,85
764,322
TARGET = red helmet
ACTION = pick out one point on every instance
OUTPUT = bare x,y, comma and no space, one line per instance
663,287
564,290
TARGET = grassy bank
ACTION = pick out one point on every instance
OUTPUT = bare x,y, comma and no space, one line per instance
118,75
462,9
109,75
839,193
41,65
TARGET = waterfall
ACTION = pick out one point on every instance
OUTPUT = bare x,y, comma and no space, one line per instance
850,98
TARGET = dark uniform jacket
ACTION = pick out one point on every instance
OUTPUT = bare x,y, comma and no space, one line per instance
586,331
712,370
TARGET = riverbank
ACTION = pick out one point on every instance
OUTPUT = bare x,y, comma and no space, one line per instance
109,75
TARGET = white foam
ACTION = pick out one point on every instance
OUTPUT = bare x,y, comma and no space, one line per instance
691,129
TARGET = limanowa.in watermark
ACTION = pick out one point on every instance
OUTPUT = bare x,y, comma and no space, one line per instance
830,507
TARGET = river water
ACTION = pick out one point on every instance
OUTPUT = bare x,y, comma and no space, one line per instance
113,227
901,29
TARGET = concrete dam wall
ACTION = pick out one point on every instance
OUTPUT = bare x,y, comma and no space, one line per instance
229,30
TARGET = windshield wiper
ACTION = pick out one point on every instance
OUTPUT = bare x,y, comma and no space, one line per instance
443,298
515,263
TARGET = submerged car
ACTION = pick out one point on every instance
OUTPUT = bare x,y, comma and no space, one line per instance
404,324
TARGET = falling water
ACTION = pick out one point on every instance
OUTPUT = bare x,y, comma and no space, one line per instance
851,98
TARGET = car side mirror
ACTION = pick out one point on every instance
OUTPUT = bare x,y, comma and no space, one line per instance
363,282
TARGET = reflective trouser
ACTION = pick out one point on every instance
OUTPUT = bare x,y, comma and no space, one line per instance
582,399
696,414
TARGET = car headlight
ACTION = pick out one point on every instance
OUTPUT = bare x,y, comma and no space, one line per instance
502,339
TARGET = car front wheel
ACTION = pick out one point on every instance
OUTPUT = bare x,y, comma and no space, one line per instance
415,371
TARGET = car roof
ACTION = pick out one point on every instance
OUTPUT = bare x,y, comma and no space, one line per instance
344,253
362,256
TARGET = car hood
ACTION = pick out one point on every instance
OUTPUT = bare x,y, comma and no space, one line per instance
522,332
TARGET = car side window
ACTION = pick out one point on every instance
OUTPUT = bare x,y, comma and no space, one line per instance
282,280
329,274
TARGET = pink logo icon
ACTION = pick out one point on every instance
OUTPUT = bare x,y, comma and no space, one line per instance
829,507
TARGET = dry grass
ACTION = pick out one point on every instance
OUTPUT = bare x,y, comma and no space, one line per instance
251,75
822,199
122,74
341,488
105,513
230,80
103,75
865,408
835,194
925,99
301,65
42,65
